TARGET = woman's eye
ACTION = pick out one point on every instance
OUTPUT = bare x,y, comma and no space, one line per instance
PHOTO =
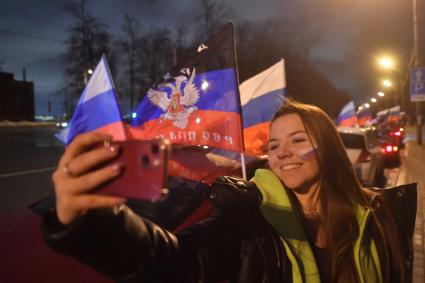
299,140
272,147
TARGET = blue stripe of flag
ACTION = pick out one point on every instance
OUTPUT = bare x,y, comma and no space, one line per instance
85,118
219,95
261,109
346,115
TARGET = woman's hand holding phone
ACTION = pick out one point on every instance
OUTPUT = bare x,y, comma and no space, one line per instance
81,169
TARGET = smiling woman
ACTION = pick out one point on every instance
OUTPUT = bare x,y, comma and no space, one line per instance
306,219
291,154
324,187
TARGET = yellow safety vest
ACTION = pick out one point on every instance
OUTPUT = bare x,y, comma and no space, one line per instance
277,210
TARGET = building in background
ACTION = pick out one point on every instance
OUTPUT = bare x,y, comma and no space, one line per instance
16,98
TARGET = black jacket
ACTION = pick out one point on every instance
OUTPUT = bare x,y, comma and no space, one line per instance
235,244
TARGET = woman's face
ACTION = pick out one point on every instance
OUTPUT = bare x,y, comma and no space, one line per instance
291,155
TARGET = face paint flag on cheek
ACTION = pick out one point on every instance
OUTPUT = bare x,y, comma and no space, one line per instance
307,153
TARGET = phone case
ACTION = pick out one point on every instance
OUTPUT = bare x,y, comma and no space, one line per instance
145,170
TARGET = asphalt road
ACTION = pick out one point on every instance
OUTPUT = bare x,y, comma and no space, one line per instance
28,155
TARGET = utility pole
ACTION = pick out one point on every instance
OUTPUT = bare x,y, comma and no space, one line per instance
418,49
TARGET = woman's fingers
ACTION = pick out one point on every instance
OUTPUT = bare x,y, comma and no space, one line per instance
97,201
79,205
86,182
81,144
81,169
93,180
86,161
73,197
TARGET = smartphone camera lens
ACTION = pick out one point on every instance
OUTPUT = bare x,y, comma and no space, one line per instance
155,149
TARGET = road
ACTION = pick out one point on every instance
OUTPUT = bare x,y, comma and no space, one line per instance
28,156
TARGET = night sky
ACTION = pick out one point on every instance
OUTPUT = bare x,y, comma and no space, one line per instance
341,37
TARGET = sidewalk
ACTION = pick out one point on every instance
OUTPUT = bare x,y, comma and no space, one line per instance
5,123
413,171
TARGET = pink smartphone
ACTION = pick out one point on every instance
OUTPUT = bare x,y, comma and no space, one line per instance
145,170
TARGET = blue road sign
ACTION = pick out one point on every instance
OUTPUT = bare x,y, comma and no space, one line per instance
417,84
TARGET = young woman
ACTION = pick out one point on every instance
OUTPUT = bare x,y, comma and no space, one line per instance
306,219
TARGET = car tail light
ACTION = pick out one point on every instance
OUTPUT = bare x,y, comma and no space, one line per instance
364,156
389,148
397,133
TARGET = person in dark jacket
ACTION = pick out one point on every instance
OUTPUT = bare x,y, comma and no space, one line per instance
305,219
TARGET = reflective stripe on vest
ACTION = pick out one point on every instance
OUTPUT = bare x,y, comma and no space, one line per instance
277,210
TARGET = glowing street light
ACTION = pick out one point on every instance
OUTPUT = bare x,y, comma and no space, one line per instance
386,62
381,94
373,99
360,107
387,83
90,71
367,105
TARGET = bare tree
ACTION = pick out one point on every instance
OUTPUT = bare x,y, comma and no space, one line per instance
87,41
156,56
259,46
129,49
212,16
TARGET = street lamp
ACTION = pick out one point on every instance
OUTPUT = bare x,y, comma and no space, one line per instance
87,74
367,105
390,65
373,99
381,94
386,62
387,83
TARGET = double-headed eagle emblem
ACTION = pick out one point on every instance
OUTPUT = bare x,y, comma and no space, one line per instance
179,105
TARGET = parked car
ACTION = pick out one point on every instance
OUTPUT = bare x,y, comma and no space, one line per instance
364,150
26,258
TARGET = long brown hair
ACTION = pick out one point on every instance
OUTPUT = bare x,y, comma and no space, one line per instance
339,194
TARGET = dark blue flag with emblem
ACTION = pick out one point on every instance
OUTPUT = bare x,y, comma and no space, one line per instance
197,102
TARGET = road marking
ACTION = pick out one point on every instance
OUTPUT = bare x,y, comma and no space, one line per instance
27,172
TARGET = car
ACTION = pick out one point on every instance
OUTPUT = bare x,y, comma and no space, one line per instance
391,154
364,151
26,258
61,124
397,136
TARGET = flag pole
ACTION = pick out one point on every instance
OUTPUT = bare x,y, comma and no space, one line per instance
243,164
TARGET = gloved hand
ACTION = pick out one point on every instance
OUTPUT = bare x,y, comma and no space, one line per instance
232,193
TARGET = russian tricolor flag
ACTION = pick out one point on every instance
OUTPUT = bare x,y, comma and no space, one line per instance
364,117
347,116
261,96
97,109
394,114
197,103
